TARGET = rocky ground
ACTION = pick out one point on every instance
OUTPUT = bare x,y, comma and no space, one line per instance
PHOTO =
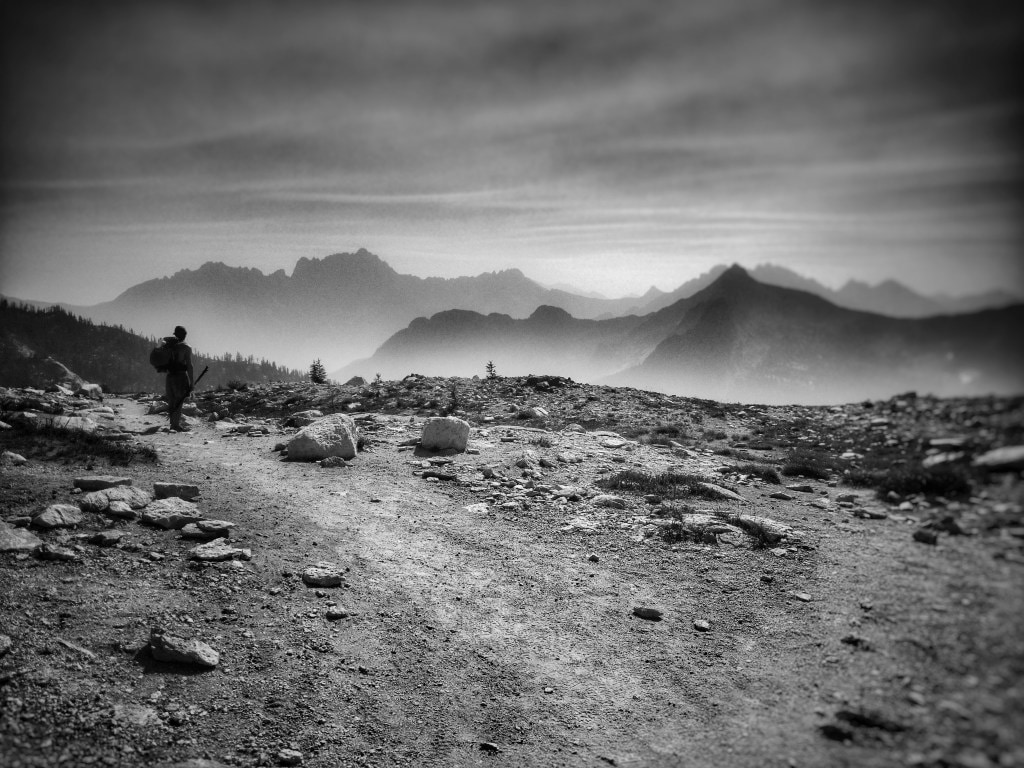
605,577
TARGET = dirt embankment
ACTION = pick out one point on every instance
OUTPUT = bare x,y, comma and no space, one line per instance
489,619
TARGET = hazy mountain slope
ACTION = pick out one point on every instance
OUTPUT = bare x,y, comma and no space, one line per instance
459,342
746,341
887,298
337,308
737,339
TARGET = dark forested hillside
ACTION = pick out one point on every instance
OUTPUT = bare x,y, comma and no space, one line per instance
110,356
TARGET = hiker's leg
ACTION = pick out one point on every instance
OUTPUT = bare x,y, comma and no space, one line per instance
177,385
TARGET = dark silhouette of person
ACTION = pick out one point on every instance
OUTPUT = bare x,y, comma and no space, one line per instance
180,376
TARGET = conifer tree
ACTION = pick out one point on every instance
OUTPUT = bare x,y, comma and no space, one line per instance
317,372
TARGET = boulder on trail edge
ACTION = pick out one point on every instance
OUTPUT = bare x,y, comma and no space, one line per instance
171,514
100,482
58,516
99,501
184,491
334,435
442,433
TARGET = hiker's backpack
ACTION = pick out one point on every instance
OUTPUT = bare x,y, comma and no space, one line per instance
161,357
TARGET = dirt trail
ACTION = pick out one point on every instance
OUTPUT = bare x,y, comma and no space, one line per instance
470,629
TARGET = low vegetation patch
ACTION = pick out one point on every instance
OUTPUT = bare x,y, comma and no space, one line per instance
952,482
660,434
51,442
768,474
668,485
808,463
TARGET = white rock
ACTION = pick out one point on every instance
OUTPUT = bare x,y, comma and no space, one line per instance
172,513
216,551
178,650
17,540
442,433
58,516
322,575
607,500
334,435
1009,458
99,501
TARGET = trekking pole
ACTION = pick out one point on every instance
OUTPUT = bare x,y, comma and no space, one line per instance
191,389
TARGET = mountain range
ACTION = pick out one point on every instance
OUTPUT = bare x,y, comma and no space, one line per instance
764,335
736,339
343,307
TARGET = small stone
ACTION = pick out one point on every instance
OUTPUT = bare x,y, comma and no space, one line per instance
106,538
322,575
289,757
174,649
333,462
701,625
800,488
609,501
781,496
6,643
926,536
215,552
335,613
486,746
593,558
766,578
648,614
56,552
15,459
803,597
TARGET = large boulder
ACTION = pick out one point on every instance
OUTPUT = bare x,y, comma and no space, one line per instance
442,433
334,435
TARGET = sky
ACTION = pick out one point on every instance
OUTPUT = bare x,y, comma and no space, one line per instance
609,145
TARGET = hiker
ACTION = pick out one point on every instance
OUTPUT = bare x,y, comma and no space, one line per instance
180,376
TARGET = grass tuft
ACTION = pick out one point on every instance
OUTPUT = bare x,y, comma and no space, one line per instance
668,485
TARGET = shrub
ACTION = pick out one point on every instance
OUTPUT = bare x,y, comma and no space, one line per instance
237,385
714,434
492,372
